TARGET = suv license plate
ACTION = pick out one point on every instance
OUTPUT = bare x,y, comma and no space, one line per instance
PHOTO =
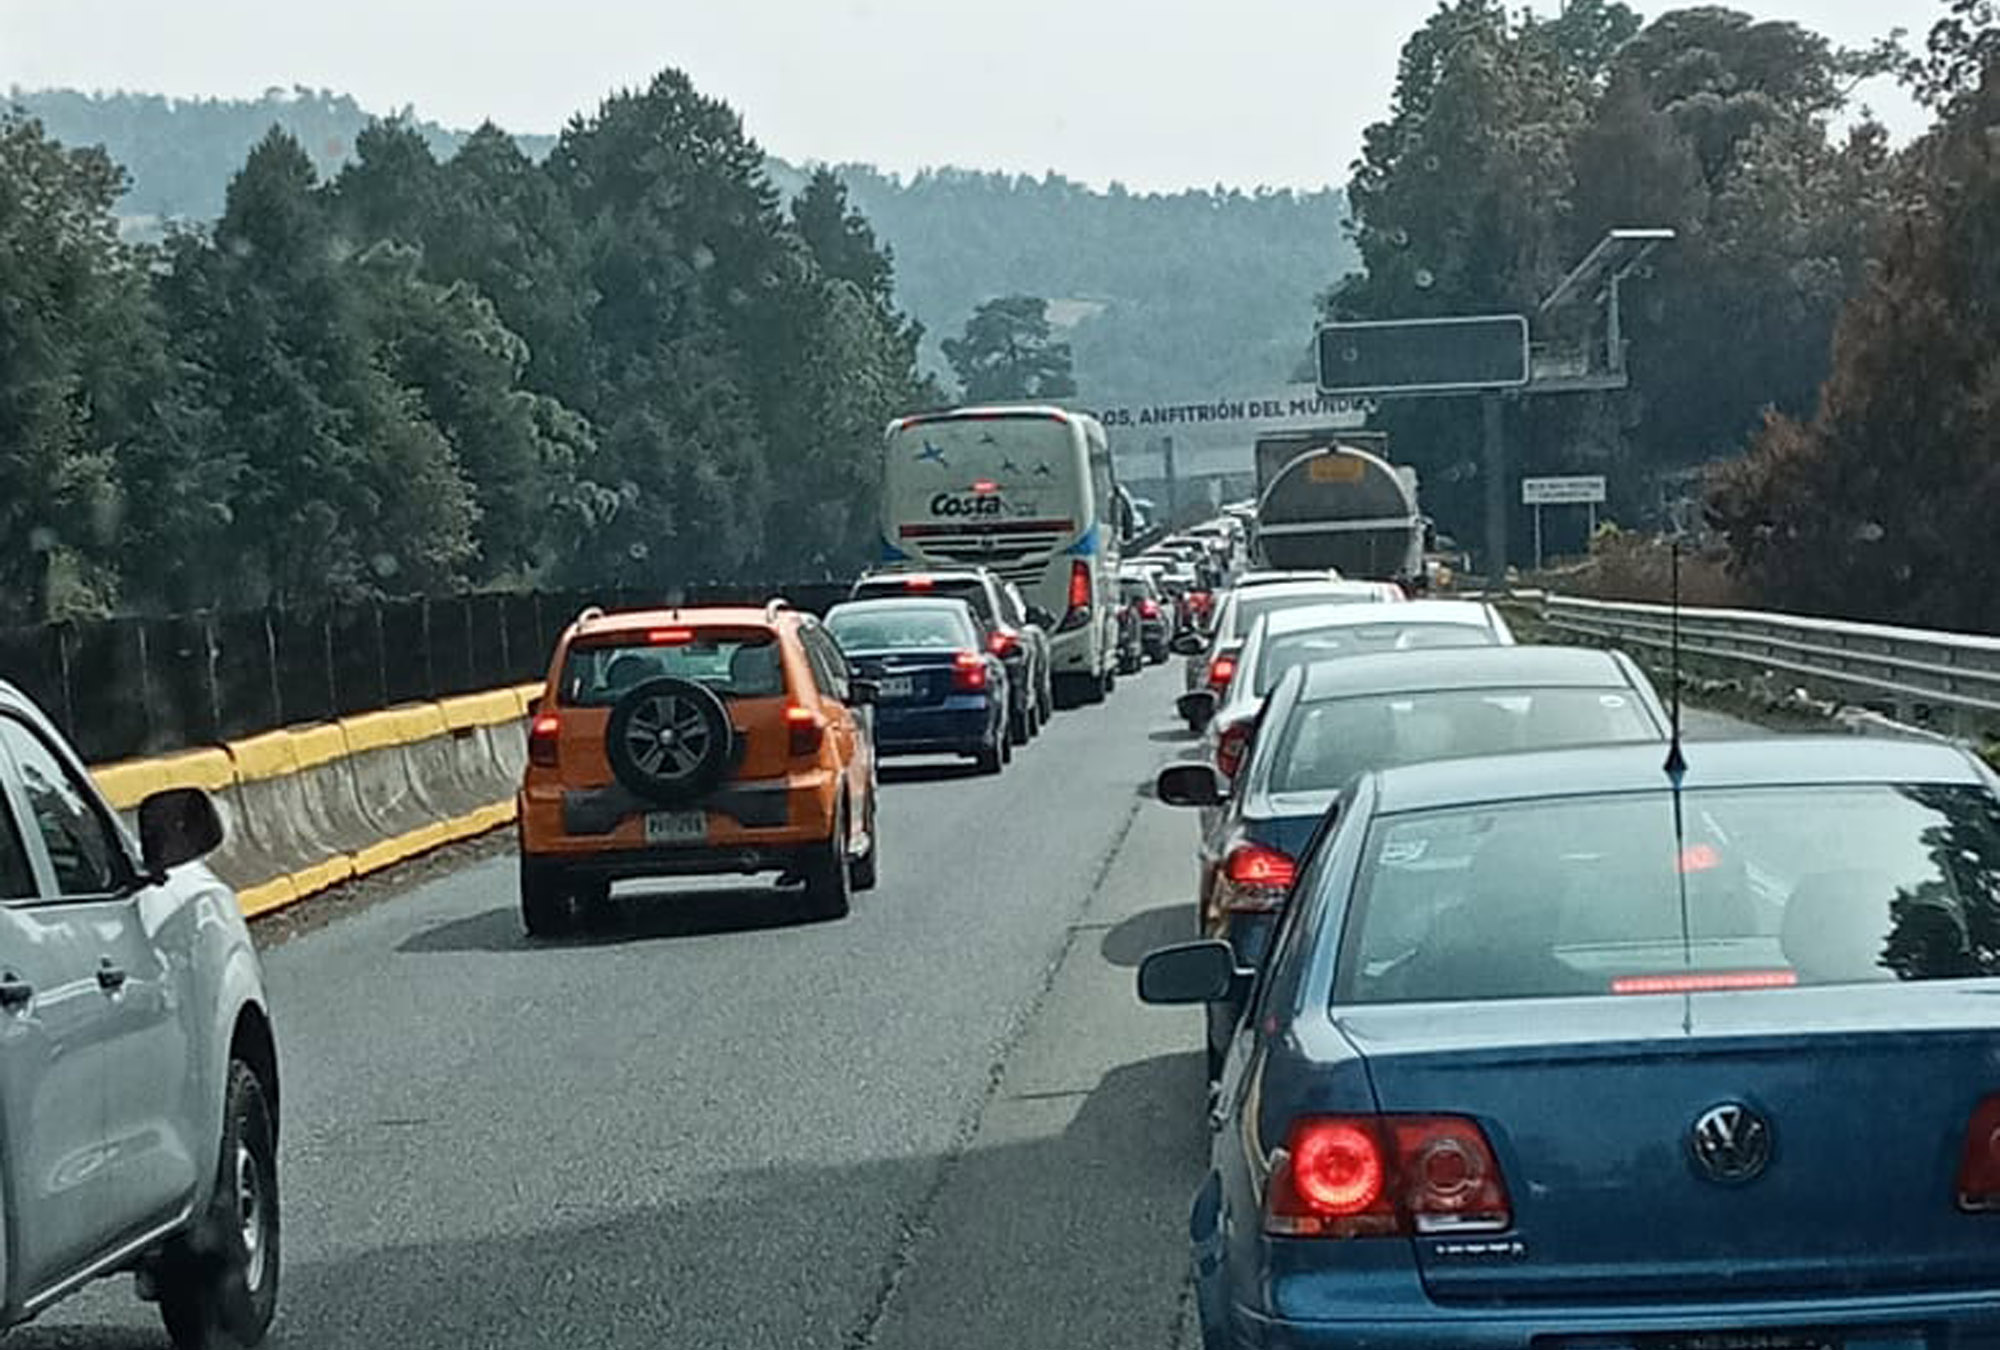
676,827
899,686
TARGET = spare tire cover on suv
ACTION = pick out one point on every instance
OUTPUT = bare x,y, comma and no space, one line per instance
669,740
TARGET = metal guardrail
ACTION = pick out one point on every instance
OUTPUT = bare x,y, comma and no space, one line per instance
1917,675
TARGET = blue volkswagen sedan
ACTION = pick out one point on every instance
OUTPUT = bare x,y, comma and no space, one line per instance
1563,1051
939,687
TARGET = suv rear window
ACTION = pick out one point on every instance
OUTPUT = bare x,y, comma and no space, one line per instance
1584,895
900,626
968,589
734,665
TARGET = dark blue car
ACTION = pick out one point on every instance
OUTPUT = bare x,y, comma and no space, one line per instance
1329,720
1560,1051
939,687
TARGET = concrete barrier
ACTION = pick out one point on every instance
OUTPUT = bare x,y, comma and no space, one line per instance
305,808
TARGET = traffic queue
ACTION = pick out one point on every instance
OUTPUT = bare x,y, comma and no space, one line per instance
1530,1022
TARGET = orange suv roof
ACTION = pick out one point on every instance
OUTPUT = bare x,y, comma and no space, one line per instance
730,616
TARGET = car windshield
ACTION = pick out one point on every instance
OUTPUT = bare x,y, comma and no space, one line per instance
1285,651
1759,887
1326,743
891,627
740,665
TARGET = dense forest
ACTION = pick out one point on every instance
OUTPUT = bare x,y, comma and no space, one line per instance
1164,297
628,364
1829,303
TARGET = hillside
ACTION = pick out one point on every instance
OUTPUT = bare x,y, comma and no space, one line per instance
1181,297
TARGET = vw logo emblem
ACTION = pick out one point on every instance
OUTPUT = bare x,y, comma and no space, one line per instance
1731,1143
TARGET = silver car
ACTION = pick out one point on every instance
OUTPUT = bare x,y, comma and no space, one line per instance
138,1073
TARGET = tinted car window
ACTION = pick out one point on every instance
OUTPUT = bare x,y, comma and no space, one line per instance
76,837
968,589
17,878
1598,895
1326,743
898,626
734,666
1281,654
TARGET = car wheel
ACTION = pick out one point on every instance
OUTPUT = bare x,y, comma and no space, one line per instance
1017,726
545,901
863,875
218,1282
1093,688
828,878
993,755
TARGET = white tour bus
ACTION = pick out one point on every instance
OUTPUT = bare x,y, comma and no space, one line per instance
1029,493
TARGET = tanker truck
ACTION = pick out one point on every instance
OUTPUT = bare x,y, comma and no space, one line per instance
1329,503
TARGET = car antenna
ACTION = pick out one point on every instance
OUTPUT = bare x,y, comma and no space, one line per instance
1676,767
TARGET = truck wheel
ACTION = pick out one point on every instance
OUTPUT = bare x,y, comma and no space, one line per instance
218,1282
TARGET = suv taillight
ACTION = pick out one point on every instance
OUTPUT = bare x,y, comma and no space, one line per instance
545,740
1079,597
1256,879
1149,609
1221,671
1381,1176
805,729
1232,747
968,672
1004,642
1979,1164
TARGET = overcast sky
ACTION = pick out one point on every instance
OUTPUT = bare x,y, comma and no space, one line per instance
1162,94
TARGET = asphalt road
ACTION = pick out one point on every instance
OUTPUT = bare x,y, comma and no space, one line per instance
943,1121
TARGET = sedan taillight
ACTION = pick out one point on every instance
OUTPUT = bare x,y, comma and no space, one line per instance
1256,879
968,672
1385,1176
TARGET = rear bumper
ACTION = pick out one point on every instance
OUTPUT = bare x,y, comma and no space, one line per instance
1958,1321
698,861
959,725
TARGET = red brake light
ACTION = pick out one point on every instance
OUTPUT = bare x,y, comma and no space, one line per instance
1003,642
1979,1164
1231,748
1361,1176
544,741
1704,982
985,485
1699,858
1256,879
805,728
1221,671
669,637
1149,608
919,583
968,672
1079,585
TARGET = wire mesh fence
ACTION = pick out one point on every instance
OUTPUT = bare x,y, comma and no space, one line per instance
136,686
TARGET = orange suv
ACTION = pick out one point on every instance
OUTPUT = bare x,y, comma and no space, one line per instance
682,742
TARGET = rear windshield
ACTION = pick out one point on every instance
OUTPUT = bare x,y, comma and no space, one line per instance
736,665
1280,654
964,588
1325,744
890,627
1577,896
1253,606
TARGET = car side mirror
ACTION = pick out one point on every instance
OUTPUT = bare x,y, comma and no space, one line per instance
1192,972
863,693
1197,708
1192,785
1189,644
175,827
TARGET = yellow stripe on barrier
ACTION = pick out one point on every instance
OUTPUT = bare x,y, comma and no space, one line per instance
391,851
274,894
525,692
131,781
372,731
317,745
271,755
312,880
480,710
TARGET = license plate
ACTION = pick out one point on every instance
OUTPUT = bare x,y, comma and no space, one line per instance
676,827
899,686
1742,1340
